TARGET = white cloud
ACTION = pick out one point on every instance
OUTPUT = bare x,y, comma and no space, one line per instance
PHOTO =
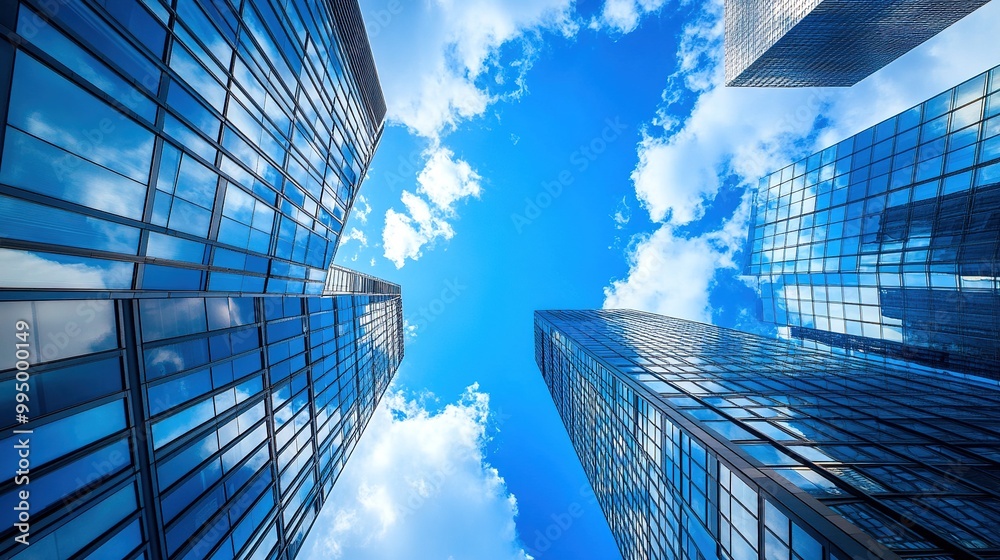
354,235
406,234
438,58
622,16
410,329
672,274
623,213
361,209
737,135
445,180
25,269
746,131
442,63
419,486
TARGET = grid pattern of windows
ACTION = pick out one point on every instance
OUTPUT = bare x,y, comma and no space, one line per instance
702,442
194,145
168,156
795,43
191,427
890,240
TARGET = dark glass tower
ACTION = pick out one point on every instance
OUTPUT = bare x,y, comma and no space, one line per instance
704,443
796,43
188,371
889,241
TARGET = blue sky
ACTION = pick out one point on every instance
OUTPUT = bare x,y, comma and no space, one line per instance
546,154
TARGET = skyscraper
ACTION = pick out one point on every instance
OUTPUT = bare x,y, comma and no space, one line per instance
189,426
703,442
201,149
796,43
889,241
191,372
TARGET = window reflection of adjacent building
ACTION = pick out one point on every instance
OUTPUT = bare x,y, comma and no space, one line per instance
888,241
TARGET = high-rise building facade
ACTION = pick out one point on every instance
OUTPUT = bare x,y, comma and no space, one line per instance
798,43
191,372
189,145
889,241
703,442
186,427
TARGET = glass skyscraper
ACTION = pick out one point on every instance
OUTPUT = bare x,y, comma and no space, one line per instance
188,371
188,427
795,43
194,147
703,443
889,241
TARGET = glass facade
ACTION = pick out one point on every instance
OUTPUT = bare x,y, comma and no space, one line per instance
189,427
704,443
181,145
174,180
799,43
889,241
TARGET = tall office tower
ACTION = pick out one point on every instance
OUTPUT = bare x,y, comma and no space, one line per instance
188,426
188,371
702,442
195,148
798,43
889,241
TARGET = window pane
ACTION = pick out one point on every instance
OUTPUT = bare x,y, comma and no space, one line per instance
127,540
28,221
67,387
52,108
33,165
182,422
62,329
83,63
173,358
162,246
83,473
177,391
70,433
168,318
84,529
109,43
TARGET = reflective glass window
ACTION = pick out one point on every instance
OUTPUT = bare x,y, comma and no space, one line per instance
70,433
109,43
83,474
177,391
163,246
157,277
61,329
54,390
84,529
54,109
195,75
182,422
37,166
171,470
120,545
172,358
168,318
83,63
28,221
